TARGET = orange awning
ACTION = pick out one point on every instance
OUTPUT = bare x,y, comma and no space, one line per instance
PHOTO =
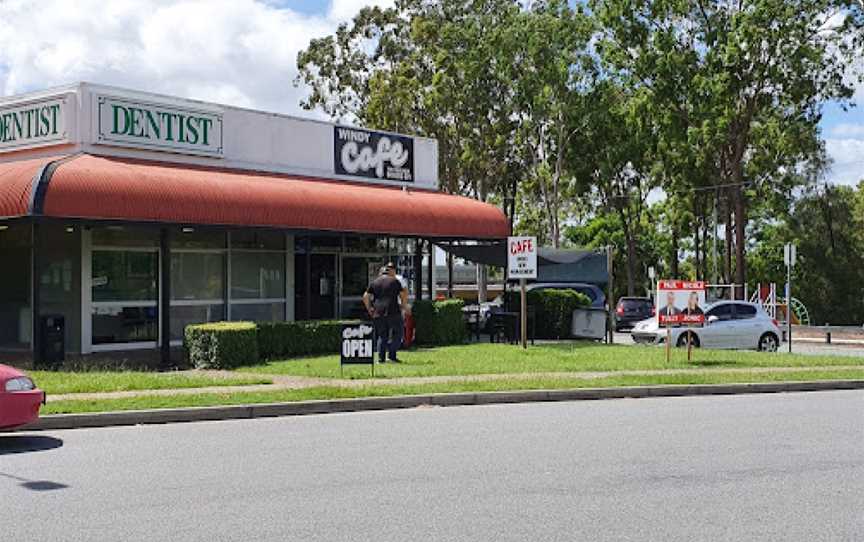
103,188
16,184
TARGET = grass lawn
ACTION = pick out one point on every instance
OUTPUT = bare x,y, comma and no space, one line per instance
383,390
484,358
61,382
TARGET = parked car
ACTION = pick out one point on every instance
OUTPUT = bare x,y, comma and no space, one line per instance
20,399
592,291
728,324
631,310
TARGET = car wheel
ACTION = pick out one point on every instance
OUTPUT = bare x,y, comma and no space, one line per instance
768,343
694,340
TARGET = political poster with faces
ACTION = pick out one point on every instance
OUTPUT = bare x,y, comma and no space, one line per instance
680,302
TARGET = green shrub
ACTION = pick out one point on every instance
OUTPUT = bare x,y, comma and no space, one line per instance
439,322
450,322
423,312
222,345
553,310
280,340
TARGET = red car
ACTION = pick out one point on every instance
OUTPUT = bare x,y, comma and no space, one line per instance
20,399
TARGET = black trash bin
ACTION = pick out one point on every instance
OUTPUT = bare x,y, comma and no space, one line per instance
52,347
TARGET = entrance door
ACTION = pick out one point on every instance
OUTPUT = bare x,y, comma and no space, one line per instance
316,287
357,272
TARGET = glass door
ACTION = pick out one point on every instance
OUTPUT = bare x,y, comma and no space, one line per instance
316,286
357,272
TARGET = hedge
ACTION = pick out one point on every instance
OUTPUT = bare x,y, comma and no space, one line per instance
221,345
439,322
280,340
553,310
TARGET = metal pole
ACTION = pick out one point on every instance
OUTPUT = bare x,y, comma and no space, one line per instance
524,310
789,301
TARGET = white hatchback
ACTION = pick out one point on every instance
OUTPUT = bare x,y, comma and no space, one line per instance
728,324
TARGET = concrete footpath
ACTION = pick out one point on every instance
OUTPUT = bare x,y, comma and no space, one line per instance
176,415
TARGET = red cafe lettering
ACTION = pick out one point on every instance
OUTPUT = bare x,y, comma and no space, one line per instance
524,245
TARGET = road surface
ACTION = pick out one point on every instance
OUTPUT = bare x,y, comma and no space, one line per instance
753,467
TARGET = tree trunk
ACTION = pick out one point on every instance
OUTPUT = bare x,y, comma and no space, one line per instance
740,249
632,265
697,248
631,252
673,254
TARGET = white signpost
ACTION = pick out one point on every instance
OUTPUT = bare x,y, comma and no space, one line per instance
790,254
522,265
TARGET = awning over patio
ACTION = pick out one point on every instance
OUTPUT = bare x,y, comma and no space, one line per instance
553,265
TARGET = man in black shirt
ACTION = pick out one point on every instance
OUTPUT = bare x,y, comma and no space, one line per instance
385,300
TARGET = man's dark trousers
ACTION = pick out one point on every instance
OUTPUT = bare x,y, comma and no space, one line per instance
388,333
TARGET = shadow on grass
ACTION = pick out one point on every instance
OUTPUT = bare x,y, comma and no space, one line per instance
566,346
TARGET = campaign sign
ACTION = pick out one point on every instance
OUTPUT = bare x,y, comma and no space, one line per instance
358,344
680,302
522,257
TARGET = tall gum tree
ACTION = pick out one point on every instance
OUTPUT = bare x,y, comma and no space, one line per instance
721,70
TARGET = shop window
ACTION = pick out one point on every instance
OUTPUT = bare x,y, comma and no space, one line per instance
125,290
257,240
257,275
327,243
118,323
368,245
125,236
124,275
258,312
184,315
197,276
188,238
403,246
15,312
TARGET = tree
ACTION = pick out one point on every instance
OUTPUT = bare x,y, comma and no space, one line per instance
830,273
736,87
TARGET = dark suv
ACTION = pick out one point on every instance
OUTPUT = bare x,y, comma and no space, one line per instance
631,310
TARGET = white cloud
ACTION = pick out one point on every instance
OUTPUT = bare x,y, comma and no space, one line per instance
848,156
846,130
238,52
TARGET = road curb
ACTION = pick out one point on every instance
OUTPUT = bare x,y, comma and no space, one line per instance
301,408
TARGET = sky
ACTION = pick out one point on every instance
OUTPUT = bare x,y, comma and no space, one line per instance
236,52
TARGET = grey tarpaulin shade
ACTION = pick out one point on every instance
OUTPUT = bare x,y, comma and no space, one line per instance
554,265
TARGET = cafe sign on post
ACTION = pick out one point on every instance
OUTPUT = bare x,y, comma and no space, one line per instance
522,257
522,264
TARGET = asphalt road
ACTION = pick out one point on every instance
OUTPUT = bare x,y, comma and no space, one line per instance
767,467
